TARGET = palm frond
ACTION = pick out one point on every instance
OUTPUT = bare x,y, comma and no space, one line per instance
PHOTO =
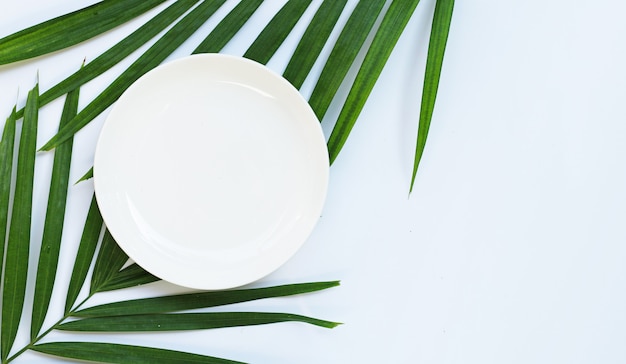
436,50
18,243
184,18
387,35
53,224
85,253
270,38
312,41
118,353
185,321
200,300
6,170
149,60
70,29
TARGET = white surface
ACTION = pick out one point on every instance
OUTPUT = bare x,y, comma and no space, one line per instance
511,248
211,171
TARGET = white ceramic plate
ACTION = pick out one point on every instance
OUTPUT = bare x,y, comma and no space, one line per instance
211,171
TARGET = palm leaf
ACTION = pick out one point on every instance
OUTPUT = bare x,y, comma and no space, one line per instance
53,225
199,300
16,269
86,176
131,276
268,41
6,169
107,273
228,27
312,42
436,49
152,58
396,18
118,353
344,53
85,253
118,52
70,29
110,260
186,321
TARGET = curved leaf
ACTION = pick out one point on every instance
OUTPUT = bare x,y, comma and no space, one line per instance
70,29
186,321
149,60
199,300
6,169
273,35
85,253
436,50
313,41
131,276
53,225
118,353
228,27
16,269
343,54
387,36
118,52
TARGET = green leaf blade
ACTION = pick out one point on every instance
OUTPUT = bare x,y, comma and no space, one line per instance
200,300
273,35
7,143
312,41
119,353
228,27
434,61
110,260
70,29
87,176
85,254
17,249
118,52
187,321
131,276
344,53
53,225
386,37
156,54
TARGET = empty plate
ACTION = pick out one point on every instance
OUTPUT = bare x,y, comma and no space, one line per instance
211,171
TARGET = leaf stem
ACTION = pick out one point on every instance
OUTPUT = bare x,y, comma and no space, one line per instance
43,334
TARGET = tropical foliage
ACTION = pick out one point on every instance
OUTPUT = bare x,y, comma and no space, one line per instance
97,253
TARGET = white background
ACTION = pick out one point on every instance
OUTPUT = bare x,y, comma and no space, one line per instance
511,248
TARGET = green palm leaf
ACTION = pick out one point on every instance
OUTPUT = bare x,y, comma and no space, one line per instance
85,253
344,53
107,274
131,276
312,42
186,321
53,225
16,269
118,353
118,52
70,29
391,28
200,300
228,27
152,58
86,176
110,260
266,44
6,169
436,49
